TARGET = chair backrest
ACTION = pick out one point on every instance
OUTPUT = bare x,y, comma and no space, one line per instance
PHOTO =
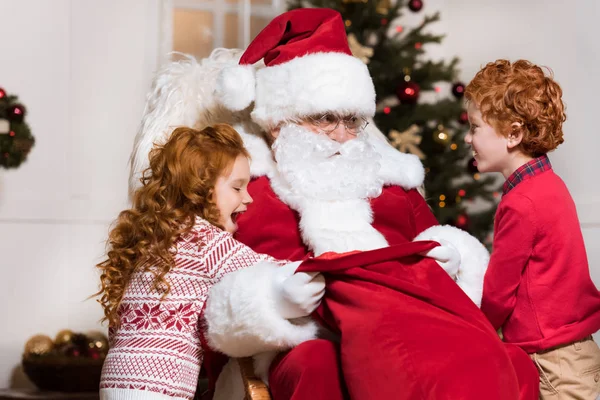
255,388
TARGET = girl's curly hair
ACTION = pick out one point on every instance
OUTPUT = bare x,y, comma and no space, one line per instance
520,92
177,187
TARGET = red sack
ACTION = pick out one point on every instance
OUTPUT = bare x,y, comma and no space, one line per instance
409,332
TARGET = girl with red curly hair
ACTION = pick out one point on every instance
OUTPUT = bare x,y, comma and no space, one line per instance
537,287
167,251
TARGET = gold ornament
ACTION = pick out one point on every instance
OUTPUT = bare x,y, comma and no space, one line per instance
383,7
64,337
408,141
39,345
441,135
364,53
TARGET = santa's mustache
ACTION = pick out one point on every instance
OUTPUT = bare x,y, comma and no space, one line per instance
299,143
318,167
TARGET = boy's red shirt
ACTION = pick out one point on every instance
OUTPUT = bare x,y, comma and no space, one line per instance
538,286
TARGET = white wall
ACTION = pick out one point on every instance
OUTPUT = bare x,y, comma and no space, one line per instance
82,69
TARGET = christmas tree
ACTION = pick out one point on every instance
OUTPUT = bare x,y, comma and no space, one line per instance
434,130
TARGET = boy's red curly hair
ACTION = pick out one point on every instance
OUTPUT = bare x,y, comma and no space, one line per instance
520,92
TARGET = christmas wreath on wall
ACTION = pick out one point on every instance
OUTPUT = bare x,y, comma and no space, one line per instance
15,136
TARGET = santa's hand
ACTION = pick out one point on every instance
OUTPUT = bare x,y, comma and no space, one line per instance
446,256
297,294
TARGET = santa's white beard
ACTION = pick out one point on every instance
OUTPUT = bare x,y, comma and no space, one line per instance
330,191
316,167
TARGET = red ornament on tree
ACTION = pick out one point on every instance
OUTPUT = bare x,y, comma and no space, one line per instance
2,93
458,90
415,5
408,92
463,118
16,113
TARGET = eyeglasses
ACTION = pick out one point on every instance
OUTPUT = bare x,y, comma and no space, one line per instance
327,123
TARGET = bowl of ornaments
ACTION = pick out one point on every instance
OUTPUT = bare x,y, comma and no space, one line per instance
71,362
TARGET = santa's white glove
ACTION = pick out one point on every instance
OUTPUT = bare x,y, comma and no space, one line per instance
446,256
297,294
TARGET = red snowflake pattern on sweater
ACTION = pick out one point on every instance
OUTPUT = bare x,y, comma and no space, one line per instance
157,346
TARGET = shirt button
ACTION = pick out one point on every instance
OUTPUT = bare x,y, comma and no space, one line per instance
597,377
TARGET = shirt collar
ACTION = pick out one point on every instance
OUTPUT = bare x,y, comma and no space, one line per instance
527,170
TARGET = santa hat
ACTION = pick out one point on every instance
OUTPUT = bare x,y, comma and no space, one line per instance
309,70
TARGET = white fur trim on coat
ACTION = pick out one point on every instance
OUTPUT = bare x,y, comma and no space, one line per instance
474,258
262,162
313,84
339,226
242,319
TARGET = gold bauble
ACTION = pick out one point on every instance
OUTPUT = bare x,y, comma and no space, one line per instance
39,345
64,337
383,7
441,135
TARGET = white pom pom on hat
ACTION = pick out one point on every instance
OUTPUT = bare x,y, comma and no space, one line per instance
236,87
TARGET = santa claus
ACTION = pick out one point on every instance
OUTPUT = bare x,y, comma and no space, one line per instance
324,180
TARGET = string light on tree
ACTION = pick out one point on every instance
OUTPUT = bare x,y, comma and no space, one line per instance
441,135
463,118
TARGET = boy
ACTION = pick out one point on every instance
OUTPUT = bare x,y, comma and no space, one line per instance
537,287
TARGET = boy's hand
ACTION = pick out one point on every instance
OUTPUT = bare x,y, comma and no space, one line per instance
297,294
446,256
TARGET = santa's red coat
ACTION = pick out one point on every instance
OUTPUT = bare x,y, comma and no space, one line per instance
419,309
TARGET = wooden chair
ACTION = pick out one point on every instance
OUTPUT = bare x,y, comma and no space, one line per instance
254,387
